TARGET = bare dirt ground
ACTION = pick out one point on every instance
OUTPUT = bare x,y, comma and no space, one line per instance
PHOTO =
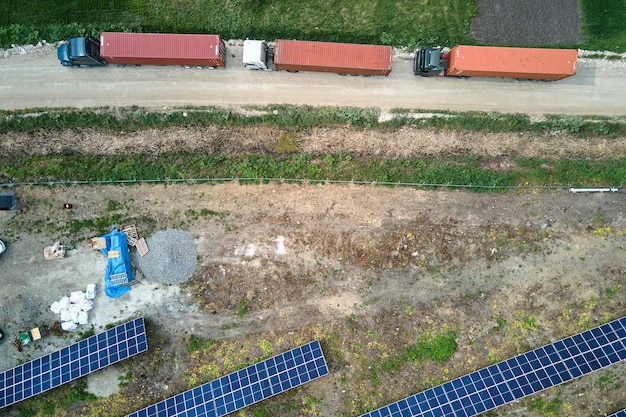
527,23
366,270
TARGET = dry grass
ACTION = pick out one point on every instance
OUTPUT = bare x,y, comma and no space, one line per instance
406,142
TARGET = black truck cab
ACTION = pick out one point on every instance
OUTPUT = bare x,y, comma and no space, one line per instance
429,62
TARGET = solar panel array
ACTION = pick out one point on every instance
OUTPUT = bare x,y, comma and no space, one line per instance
246,386
72,362
517,377
621,413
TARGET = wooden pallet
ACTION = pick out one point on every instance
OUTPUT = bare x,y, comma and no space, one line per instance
131,234
118,279
142,247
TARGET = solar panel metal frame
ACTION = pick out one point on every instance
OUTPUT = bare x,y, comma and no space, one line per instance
72,362
517,377
246,386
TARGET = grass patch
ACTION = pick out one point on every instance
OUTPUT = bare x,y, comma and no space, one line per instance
55,401
242,308
299,117
550,407
289,163
100,225
361,21
197,343
133,118
399,23
604,24
470,172
288,143
438,348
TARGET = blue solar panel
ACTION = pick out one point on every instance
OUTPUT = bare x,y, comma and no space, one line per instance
246,386
621,413
518,377
72,362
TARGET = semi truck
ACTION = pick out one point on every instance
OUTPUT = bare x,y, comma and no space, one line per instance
340,58
122,48
495,61
192,50
81,52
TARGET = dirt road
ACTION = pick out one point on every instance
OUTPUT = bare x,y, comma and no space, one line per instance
37,80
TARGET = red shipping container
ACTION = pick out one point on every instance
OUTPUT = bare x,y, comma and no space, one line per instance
526,63
163,49
342,58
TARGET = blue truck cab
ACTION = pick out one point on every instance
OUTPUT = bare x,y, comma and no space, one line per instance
81,52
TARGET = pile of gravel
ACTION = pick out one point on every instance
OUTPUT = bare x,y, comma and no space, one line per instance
27,49
172,258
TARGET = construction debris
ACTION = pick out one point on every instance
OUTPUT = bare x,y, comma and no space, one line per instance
131,234
142,247
132,239
594,190
73,309
54,252
98,243
25,338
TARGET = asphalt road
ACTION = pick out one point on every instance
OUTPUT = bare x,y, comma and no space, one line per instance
38,80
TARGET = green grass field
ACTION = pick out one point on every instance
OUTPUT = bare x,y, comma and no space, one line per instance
401,23
366,21
604,24
398,23
42,12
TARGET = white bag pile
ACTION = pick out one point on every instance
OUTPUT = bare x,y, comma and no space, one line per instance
73,309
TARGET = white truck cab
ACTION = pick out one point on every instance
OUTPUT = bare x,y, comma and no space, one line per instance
255,54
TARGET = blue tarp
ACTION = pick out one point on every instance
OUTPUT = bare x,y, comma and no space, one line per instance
116,241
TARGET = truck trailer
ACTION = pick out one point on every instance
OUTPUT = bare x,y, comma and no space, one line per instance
495,61
163,49
340,58
144,49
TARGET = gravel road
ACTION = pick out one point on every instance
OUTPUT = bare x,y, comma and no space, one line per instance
37,80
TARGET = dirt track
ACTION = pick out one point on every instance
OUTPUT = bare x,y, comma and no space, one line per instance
37,80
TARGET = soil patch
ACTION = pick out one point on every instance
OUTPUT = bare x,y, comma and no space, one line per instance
366,270
527,23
